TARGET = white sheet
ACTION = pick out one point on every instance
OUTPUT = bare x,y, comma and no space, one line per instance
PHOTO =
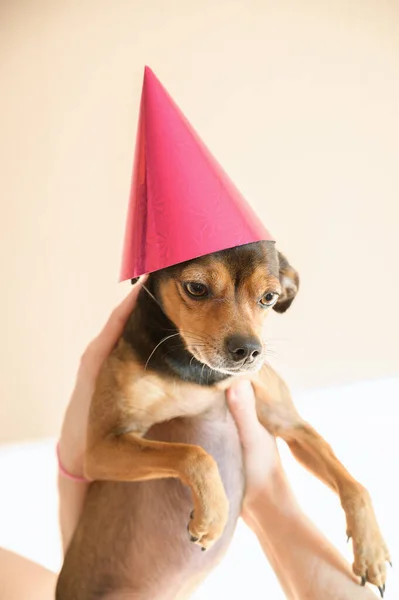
361,422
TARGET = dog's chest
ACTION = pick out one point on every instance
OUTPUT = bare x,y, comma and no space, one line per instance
152,400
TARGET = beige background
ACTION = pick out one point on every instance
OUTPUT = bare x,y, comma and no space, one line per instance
298,102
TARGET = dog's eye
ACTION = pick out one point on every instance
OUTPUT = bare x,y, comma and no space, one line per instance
269,299
198,290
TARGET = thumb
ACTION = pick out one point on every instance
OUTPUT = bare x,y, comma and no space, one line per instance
241,401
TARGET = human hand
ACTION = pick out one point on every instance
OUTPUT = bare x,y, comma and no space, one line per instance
72,444
261,458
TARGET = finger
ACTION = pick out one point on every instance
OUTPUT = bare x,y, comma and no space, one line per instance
241,401
112,330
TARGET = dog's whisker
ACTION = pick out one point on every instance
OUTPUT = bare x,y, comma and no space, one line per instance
183,345
271,352
157,346
152,296
202,371
192,334
172,349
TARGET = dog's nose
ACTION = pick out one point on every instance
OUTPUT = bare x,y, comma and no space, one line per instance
243,347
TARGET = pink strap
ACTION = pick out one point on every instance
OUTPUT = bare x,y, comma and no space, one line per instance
65,473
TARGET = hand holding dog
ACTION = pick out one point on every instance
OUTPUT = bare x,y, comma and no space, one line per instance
73,435
260,449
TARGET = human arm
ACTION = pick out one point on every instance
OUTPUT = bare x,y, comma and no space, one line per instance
307,565
72,443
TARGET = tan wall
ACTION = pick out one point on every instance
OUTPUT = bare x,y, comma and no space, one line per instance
300,105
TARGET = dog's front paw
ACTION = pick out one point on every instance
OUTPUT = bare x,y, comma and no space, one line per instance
369,548
211,506
208,522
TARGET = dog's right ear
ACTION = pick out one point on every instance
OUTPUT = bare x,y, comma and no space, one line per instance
289,280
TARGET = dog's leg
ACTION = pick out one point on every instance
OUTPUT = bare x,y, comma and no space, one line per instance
278,414
129,458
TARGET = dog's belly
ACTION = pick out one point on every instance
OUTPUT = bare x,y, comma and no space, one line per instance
132,540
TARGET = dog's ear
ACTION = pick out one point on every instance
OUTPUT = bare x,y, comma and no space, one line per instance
289,280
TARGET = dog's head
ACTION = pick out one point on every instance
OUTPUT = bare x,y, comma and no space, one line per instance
219,303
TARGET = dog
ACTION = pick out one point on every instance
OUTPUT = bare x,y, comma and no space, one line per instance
162,449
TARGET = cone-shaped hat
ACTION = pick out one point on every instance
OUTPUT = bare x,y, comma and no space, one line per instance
182,204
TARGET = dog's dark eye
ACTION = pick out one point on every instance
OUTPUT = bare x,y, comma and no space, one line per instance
198,290
269,299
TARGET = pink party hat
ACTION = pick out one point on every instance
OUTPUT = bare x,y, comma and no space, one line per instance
182,204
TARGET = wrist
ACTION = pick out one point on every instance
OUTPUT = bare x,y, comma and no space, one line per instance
269,501
70,456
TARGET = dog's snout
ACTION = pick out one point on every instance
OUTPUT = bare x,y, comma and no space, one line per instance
243,347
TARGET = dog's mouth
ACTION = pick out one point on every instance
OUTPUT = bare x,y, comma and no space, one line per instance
222,365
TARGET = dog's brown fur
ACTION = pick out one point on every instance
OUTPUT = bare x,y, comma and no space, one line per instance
129,441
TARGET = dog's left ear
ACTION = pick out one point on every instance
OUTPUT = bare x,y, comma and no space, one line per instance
289,280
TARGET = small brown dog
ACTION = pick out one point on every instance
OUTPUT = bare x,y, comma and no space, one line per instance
196,325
